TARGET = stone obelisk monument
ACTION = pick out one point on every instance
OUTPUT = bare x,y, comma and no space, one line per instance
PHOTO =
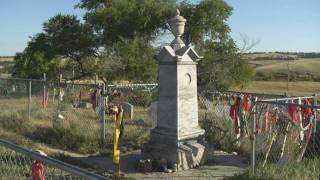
177,136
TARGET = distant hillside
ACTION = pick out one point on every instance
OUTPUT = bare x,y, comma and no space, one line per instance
6,58
306,69
280,55
6,65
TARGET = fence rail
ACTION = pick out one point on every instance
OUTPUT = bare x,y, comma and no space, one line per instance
11,160
79,120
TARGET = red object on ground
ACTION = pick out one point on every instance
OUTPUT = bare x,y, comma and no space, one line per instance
94,99
37,170
245,103
293,110
306,111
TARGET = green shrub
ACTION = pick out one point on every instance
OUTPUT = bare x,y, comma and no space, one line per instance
13,121
71,138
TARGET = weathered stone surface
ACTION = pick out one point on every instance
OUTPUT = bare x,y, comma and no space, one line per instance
128,110
153,113
177,135
184,154
84,105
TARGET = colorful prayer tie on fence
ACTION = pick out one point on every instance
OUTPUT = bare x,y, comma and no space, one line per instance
246,103
116,136
293,110
267,119
306,111
46,99
37,170
81,94
234,113
94,99
305,143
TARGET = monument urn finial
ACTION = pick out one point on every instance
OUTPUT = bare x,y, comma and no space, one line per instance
177,24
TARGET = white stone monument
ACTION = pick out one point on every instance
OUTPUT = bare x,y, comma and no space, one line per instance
177,137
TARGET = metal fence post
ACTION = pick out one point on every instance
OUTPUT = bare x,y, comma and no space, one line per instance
60,90
315,103
29,101
301,135
95,80
44,90
103,114
253,140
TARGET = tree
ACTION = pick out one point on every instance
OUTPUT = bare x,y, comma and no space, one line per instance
206,21
127,19
73,40
117,37
65,38
126,29
223,65
36,59
138,58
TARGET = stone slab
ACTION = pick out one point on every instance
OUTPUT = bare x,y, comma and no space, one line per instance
128,110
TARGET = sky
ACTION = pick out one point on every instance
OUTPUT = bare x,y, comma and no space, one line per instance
278,25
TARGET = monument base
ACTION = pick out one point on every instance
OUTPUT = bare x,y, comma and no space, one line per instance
181,155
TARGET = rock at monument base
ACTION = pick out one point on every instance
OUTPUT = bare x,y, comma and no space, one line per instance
182,155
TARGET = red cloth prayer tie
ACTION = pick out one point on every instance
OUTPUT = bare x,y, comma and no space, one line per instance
234,113
293,109
58,92
46,99
37,170
306,111
245,103
275,118
94,99
80,94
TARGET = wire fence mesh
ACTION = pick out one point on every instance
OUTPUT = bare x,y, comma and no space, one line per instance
75,117
268,130
20,163
287,132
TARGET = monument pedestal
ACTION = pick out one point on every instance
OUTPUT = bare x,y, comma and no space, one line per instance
177,137
184,154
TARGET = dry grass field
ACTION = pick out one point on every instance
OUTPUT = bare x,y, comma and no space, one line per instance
279,87
301,66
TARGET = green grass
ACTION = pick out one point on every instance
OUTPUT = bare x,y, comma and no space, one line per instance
79,131
306,170
220,131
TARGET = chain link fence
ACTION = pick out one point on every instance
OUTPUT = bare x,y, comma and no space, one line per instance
75,117
20,163
273,132
286,136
